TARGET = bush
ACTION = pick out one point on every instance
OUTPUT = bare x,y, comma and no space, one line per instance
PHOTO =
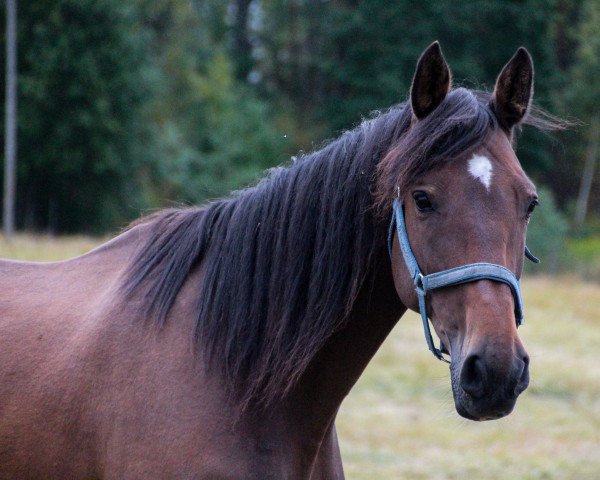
584,256
223,140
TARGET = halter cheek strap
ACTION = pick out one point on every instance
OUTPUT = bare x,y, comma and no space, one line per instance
453,276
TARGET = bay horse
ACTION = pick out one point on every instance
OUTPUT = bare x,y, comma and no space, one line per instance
218,342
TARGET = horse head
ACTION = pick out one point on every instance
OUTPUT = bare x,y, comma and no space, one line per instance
466,210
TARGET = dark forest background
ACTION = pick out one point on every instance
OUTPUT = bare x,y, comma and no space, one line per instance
130,105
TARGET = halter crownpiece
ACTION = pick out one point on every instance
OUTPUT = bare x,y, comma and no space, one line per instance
453,276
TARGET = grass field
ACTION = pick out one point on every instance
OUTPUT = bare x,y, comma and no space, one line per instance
399,421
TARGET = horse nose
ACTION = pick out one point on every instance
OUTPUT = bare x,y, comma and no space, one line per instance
473,376
478,380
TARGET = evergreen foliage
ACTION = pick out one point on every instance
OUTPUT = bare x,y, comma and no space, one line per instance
130,105
80,65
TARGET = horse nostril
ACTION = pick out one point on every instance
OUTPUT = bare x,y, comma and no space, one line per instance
473,376
523,382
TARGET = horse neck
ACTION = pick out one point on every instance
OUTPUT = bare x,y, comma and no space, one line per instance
320,392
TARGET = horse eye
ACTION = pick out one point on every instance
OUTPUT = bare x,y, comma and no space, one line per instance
422,201
531,207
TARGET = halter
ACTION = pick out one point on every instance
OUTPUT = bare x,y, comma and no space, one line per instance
453,276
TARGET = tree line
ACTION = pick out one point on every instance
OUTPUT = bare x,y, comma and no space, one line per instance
126,106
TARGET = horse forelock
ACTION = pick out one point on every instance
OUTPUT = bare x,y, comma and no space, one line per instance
284,260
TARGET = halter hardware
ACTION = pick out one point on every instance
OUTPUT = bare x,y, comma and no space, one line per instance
453,276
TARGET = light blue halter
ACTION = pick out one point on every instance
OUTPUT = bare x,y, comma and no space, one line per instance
453,276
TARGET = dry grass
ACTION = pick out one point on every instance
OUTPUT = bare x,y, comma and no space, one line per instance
45,248
399,422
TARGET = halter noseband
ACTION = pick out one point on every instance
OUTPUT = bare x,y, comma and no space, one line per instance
453,276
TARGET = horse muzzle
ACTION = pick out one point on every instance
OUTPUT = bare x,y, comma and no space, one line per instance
486,388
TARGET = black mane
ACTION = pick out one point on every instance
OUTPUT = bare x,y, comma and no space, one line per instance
284,260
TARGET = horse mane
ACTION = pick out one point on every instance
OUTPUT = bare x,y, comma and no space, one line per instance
284,260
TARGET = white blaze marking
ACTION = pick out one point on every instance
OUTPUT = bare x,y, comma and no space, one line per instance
481,168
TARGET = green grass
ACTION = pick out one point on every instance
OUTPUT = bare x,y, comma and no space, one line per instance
399,421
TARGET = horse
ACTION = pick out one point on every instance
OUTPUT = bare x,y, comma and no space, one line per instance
218,342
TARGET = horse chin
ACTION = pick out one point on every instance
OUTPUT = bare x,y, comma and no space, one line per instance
473,413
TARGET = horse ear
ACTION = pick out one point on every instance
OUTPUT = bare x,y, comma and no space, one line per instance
431,82
514,89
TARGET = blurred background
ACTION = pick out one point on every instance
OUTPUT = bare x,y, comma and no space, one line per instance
126,105
130,105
